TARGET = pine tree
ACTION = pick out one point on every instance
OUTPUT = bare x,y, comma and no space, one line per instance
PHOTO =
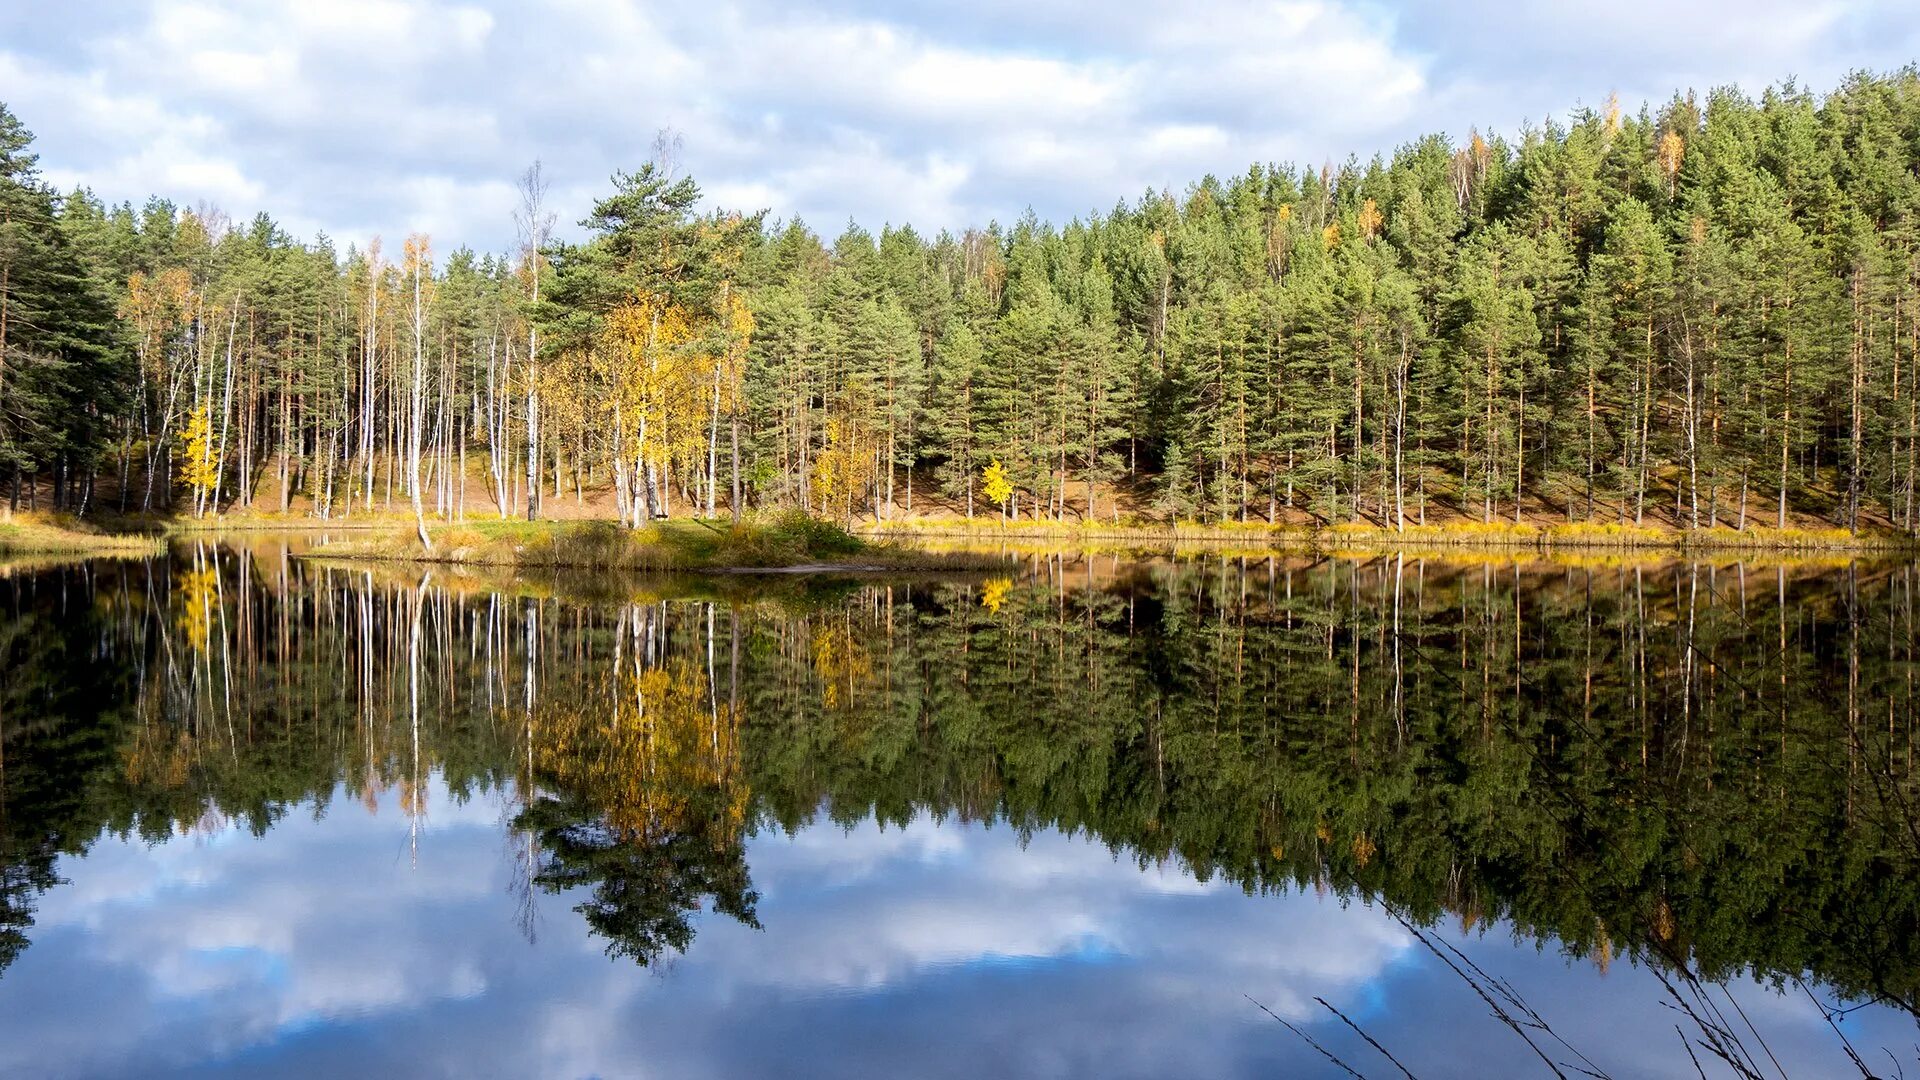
62,367
953,411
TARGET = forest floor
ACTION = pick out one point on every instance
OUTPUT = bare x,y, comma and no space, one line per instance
790,543
1123,519
1557,519
59,534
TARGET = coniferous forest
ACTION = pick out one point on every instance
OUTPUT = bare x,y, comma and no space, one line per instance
1705,315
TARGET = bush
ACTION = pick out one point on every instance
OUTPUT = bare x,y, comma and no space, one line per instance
814,536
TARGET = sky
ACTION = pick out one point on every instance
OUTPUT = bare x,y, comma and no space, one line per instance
383,117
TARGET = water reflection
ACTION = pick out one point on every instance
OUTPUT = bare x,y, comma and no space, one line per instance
1023,812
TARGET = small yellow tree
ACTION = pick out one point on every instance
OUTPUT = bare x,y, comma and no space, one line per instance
1371,219
995,485
1672,152
199,459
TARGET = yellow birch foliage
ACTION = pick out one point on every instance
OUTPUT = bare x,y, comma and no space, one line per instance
646,376
157,305
416,259
841,665
1370,219
200,456
195,597
993,594
736,320
1673,150
654,753
994,483
842,468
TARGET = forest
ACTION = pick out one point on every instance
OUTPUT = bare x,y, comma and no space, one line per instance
1701,316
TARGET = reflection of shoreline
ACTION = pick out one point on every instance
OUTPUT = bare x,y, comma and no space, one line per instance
1626,760
1460,539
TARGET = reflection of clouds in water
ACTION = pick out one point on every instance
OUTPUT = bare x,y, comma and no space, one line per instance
931,896
828,854
233,938
955,949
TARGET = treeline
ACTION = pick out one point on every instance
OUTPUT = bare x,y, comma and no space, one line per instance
1706,315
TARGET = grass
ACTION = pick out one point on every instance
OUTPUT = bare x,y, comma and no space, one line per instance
36,533
1459,533
788,542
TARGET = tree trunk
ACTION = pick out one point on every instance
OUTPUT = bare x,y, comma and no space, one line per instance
734,505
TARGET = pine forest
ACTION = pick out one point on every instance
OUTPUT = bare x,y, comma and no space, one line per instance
1701,316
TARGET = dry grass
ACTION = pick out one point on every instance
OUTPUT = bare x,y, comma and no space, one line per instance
1460,534
39,533
789,542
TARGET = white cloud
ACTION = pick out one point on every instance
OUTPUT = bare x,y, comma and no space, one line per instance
389,116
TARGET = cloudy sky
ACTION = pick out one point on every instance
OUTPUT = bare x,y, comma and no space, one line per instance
365,117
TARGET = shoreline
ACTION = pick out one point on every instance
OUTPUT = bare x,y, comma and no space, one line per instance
1465,537
24,535
823,569
694,544
791,544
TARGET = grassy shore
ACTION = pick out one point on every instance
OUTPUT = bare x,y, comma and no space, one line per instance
1456,534
58,534
791,543
287,521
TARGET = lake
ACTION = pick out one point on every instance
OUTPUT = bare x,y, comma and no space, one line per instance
1110,816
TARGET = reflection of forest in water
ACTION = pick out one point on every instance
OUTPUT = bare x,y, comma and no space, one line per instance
1701,762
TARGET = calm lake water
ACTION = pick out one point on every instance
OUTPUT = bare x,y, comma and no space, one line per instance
1105,817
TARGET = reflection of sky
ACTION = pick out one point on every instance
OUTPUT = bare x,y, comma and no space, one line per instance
325,948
